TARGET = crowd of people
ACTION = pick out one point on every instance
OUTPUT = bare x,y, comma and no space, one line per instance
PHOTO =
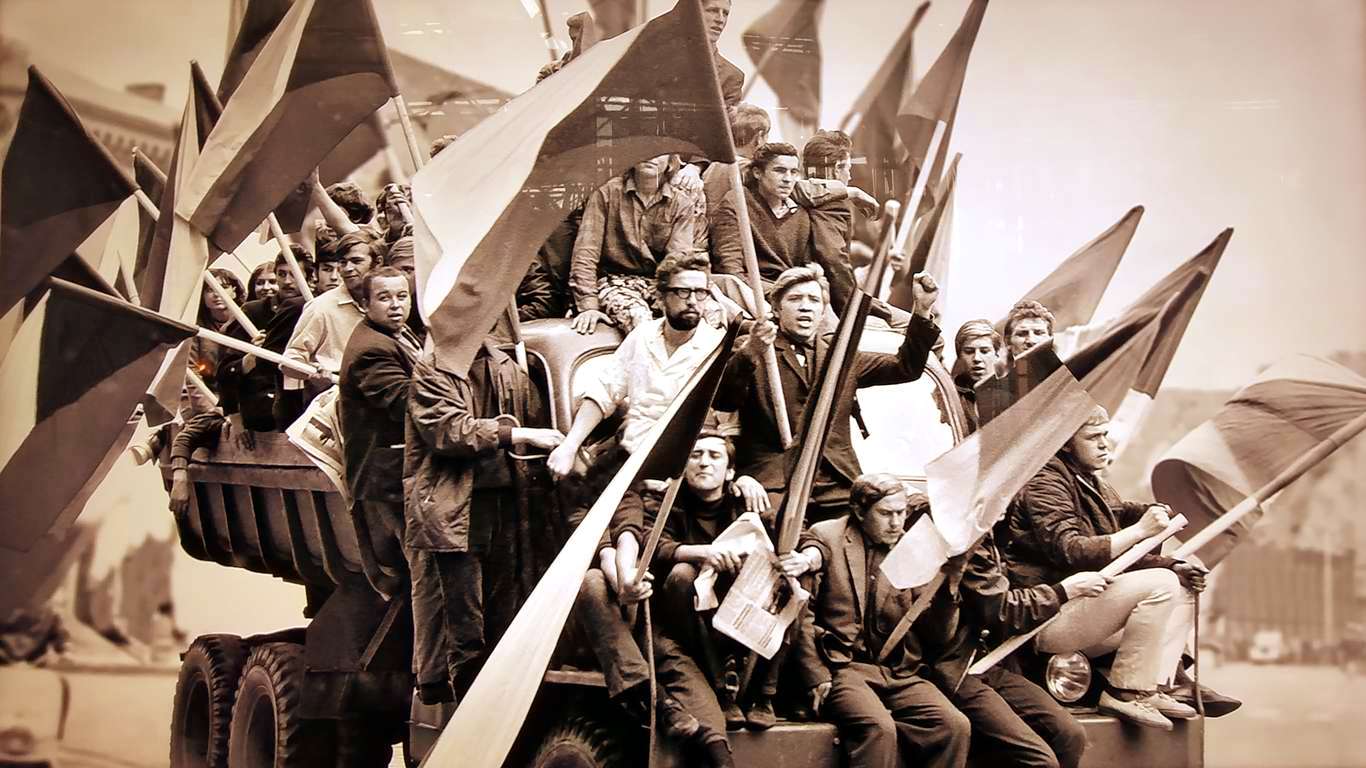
435,461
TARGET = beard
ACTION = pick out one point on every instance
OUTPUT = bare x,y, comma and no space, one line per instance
683,321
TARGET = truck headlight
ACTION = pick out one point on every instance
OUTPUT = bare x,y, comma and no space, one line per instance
16,741
1068,676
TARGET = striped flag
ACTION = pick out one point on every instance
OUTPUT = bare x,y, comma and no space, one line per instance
73,374
57,186
490,199
1265,427
971,485
936,96
152,181
785,46
932,233
259,20
487,722
886,170
320,73
1073,290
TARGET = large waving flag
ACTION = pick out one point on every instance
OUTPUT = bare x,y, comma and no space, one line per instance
932,234
1288,410
785,46
320,73
259,20
486,724
57,186
886,171
1047,401
72,376
489,200
1073,290
152,181
936,96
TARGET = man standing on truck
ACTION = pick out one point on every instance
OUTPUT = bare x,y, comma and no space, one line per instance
457,484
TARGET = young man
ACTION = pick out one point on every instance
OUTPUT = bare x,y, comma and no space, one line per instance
877,700
1028,325
457,486
715,13
800,297
977,352
1068,520
629,225
402,257
376,369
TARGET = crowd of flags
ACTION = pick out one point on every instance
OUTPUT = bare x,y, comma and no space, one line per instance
84,345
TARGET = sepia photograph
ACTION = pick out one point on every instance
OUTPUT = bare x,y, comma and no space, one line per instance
682,383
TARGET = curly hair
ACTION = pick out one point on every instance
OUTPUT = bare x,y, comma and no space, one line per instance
765,154
349,196
871,488
1028,309
672,265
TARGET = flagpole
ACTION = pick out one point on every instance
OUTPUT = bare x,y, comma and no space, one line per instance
1303,464
922,181
548,33
200,385
1115,568
303,369
657,530
236,311
294,269
409,135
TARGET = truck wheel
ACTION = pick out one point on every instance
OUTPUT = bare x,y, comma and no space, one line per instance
579,742
267,730
204,693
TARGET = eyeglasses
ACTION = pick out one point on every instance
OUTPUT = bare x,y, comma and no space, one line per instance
696,294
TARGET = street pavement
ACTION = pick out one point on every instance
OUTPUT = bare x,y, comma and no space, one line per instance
1292,716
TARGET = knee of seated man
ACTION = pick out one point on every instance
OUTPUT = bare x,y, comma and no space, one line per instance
1069,741
957,727
594,586
1163,582
681,577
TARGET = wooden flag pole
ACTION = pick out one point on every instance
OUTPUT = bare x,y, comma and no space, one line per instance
647,555
200,385
145,202
1115,568
760,308
300,280
409,136
237,313
1303,464
303,369
922,180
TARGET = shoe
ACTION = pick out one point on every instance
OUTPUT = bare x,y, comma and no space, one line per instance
1138,712
675,720
1216,704
735,719
1170,707
717,751
760,716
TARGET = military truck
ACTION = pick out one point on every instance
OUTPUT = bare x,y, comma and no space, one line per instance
337,690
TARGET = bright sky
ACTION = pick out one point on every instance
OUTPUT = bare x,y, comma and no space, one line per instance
1212,114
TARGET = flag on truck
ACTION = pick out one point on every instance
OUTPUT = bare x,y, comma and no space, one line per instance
785,46
57,186
931,237
73,374
885,170
1285,412
487,202
304,92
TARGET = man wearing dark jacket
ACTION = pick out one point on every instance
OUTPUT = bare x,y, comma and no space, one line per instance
376,368
799,299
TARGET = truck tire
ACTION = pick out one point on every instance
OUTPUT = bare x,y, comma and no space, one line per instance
267,730
204,694
579,742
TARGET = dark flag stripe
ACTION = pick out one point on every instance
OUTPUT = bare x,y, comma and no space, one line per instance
259,20
886,171
785,42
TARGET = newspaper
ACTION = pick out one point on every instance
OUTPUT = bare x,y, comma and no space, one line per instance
318,434
760,606
743,537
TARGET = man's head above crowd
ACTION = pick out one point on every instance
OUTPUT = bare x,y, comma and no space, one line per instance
749,127
799,297
774,171
356,253
684,282
714,16
1089,448
384,294
828,155
978,347
709,465
1028,325
879,503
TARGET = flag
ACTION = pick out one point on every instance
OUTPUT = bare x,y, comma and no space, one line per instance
487,722
152,181
785,46
936,97
1186,284
612,17
971,485
57,186
934,227
320,73
72,376
1073,290
1261,431
490,199
259,20
885,171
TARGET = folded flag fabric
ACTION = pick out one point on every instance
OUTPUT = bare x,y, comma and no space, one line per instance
931,235
57,186
490,199
886,170
1265,427
259,20
71,378
322,71
152,181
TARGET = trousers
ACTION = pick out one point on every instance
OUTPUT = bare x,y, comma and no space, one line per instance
1015,722
881,717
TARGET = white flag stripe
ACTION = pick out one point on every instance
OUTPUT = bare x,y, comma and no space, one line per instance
19,382
448,198
919,555
265,83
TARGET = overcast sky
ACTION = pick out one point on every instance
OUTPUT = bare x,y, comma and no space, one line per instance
1242,113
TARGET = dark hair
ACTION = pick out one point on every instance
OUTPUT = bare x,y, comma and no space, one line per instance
301,256
229,282
375,274
709,431
388,192
672,265
824,150
871,488
261,269
349,196
765,154
363,237
1028,309
747,123
400,248
795,276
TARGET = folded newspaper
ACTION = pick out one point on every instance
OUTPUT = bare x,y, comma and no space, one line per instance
760,606
318,434
743,537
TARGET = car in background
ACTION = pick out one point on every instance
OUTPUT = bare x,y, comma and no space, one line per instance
1268,647
33,708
